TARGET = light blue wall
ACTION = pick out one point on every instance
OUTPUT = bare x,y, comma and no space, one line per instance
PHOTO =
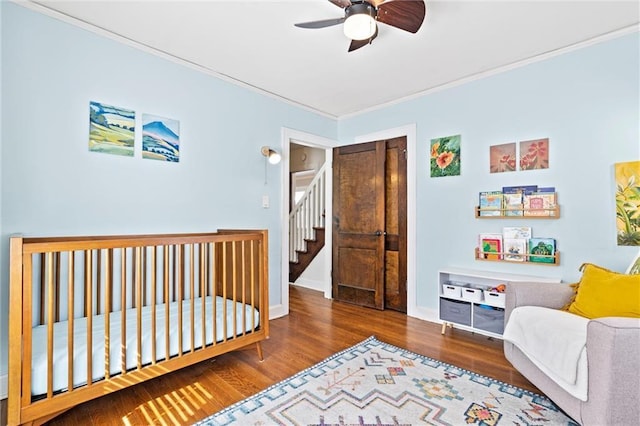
586,102
52,184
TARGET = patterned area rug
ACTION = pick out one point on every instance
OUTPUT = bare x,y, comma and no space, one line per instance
377,384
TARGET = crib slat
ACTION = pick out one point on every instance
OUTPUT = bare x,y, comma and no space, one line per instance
180,268
27,317
123,307
213,264
70,317
234,286
225,267
166,300
138,286
50,314
107,319
56,257
203,295
88,274
192,325
154,350
253,284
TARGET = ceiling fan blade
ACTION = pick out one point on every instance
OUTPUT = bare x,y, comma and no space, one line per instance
357,44
407,15
341,3
320,24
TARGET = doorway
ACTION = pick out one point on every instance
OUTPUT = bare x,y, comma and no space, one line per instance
281,308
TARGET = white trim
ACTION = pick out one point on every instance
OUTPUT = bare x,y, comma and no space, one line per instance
4,386
298,137
310,284
277,311
410,132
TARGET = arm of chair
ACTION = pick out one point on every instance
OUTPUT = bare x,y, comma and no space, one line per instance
549,295
613,354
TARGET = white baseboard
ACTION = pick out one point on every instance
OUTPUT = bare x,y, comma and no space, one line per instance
4,386
425,314
277,311
310,284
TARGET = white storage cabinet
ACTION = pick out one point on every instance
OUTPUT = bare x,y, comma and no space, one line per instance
466,302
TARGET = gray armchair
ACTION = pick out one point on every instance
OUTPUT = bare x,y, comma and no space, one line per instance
613,357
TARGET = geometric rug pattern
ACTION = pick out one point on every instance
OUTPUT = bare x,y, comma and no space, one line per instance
377,384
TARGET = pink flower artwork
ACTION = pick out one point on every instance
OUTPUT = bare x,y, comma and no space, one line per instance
502,158
534,154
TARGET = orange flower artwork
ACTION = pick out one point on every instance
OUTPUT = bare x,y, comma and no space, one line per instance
502,158
445,156
534,154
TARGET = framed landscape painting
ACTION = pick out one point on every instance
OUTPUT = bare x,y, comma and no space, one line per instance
160,138
111,129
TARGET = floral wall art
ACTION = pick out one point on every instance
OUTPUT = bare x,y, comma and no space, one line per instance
627,176
111,129
445,156
502,158
534,154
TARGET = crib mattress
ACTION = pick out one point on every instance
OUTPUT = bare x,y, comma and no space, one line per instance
225,328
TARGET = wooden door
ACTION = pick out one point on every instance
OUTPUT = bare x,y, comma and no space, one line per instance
369,224
358,224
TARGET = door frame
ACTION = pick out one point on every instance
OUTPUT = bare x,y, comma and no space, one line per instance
308,139
302,138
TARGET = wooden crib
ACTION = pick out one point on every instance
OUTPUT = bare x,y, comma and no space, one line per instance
92,315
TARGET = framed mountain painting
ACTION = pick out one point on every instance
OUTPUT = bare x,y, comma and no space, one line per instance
160,138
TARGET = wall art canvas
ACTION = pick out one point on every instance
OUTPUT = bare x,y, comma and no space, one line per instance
445,156
502,158
111,129
160,138
534,154
627,176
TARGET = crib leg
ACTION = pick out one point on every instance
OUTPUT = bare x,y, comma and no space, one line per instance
259,348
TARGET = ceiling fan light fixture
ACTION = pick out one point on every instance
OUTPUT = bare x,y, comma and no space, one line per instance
360,22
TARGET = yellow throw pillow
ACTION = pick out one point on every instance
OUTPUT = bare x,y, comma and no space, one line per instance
604,293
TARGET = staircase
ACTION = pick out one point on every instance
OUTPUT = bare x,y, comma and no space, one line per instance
306,226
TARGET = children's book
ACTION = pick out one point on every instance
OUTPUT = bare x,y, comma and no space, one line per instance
515,249
490,203
513,204
490,246
522,189
542,250
540,204
517,232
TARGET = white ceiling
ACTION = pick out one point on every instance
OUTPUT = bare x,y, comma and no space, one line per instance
255,42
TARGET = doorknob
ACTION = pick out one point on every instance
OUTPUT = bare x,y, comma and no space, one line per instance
379,233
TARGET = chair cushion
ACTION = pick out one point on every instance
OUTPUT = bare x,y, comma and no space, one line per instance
604,293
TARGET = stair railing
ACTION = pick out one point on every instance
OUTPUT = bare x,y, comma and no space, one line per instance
307,214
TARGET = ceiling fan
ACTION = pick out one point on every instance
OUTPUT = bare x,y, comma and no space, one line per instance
360,18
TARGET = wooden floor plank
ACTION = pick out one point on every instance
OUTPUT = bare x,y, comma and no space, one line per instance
315,329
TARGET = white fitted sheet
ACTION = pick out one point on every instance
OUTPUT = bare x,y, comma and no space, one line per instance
60,362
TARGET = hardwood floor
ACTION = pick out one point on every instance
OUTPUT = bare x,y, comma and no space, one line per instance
315,329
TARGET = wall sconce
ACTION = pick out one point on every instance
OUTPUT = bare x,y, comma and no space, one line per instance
273,156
